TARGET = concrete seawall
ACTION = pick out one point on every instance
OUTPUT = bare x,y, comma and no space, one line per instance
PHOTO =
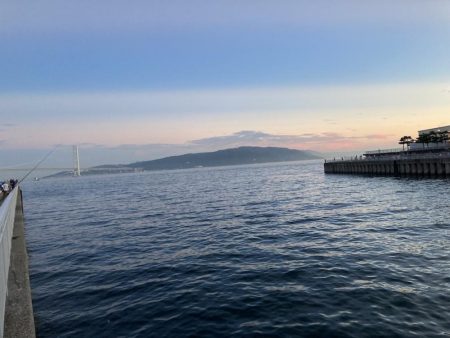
19,319
416,167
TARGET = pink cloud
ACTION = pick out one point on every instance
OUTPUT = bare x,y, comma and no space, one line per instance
326,141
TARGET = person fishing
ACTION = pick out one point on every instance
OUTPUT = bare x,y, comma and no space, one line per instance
5,188
12,183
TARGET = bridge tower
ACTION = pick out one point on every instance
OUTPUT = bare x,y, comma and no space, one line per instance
76,162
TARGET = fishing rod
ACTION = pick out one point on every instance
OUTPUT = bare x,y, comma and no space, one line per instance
38,164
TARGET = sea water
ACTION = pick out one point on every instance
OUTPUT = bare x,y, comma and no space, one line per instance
272,250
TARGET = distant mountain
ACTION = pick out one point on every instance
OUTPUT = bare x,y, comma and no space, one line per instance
234,156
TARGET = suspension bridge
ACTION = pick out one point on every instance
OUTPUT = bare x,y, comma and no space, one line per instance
75,169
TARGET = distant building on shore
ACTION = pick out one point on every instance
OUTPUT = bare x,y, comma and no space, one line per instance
436,130
430,144
426,156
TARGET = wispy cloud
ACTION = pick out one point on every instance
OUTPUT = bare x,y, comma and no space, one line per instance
5,126
309,141
287,115
246,137
322,140
95,154
126,105
125,153
378,136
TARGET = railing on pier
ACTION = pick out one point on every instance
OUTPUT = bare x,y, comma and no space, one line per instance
7,216
429,146
414,147
397,156
384,151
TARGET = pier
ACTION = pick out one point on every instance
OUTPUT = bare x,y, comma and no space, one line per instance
16,311
426,164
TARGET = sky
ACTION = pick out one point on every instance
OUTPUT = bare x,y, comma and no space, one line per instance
130,81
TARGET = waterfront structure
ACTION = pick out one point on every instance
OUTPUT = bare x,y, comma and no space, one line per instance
436,130
419,160
16,310
431,165
433,138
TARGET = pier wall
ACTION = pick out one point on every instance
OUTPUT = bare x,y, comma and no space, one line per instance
16,311
7,218
417,167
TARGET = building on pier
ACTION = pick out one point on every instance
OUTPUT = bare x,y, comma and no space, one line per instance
419,159
436,130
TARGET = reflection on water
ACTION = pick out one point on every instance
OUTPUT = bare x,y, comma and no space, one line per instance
266,250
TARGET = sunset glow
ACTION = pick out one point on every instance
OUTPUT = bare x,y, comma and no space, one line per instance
347,78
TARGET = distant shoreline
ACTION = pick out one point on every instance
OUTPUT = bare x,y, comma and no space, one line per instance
138,167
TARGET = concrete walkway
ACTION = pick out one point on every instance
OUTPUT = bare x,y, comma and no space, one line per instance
19,319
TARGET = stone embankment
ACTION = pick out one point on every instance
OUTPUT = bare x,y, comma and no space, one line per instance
424,165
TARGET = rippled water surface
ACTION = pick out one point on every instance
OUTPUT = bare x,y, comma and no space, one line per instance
267,250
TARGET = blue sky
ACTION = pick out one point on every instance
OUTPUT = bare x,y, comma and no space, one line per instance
102,45
168,72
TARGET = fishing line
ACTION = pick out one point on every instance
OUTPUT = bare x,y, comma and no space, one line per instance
38,164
